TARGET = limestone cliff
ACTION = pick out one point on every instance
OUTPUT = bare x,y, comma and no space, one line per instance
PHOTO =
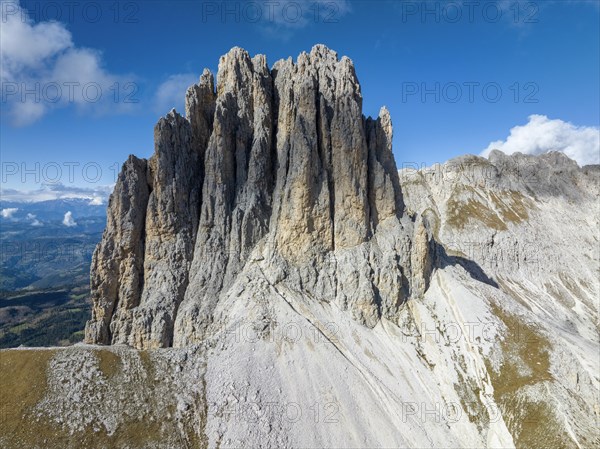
276,167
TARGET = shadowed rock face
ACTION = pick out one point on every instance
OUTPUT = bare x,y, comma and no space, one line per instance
277,167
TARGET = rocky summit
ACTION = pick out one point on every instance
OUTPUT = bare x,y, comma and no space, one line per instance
276,171
268,278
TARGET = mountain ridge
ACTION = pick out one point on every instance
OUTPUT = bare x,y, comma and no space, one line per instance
306,293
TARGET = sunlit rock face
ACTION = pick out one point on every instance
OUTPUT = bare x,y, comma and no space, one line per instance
275,167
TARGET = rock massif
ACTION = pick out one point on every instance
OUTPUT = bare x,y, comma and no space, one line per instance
276,167
277,283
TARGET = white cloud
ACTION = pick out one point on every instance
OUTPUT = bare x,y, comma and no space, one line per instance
42,60
25,112
96,201
26,45
8,212
171,93
69,221
34,221
541,134
96,195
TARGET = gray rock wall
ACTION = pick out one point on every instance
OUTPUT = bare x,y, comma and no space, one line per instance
276,166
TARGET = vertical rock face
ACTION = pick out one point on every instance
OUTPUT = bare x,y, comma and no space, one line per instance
321,188
170,231
117,271
384,185
237,185
276,169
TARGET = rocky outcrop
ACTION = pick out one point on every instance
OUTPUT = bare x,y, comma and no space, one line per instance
499,351
276,168
156,204
147,247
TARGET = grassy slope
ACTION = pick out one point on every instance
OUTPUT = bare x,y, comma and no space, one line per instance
25,384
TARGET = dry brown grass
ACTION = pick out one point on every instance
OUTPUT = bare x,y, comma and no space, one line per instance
109,362
459,214
512,207
23,375
522,376
24,384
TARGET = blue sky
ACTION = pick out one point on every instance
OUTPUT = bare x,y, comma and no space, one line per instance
544,56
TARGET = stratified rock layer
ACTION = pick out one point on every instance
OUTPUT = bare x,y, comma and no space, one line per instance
276,168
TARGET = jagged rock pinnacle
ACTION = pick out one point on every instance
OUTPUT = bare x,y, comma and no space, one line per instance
277,163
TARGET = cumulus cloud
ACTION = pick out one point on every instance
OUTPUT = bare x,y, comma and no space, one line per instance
171,93
26,45
8,212
42,69
541,134
69,221
33,220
